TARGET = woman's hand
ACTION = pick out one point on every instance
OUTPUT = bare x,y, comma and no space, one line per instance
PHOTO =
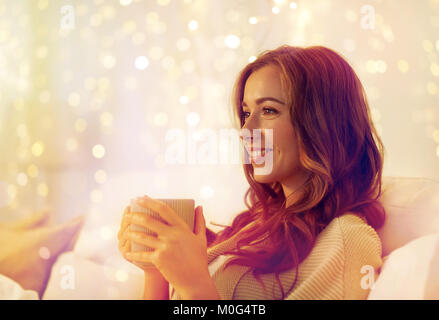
179,253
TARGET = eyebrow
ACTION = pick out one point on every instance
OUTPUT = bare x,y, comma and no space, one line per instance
263,99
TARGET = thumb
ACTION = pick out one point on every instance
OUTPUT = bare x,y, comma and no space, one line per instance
200,223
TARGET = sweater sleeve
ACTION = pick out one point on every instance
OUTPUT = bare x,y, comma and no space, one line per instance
362,262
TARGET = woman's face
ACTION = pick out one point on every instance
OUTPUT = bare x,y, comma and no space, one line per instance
264,108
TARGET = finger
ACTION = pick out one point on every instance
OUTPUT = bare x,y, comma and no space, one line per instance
166,212
153,224
200,223
143,239
141,256
124,222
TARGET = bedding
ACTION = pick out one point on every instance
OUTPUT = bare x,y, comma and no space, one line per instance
410,272
11,290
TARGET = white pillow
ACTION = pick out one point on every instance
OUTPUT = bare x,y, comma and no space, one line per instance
11,290
74,277
410,272
412,210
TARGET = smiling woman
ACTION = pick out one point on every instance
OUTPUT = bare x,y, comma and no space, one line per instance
317,207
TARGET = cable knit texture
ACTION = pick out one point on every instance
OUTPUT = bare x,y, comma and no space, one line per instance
347,253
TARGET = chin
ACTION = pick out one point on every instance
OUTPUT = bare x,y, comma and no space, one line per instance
266,178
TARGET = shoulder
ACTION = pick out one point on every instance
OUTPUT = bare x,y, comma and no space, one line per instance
362,254
356,232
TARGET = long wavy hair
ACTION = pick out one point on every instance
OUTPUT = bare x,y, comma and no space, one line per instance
338,146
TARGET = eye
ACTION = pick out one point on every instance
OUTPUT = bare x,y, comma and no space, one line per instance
246,114
272,111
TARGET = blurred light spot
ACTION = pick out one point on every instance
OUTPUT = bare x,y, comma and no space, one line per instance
436,135
193,118
160,119
44,253
434,68
293,5
74,99
403,66
381,66
206,192
96,196
371,66
108,61
42,4
103,83
350,16
98,151
196,136
129,26
100,176
432,88
106,119
141,62
193,25
106,233
305,15
37,148
95,21
427,45
279,2
42,189
12,191
232,41
275,10
184,99
183,44
121,275
125,2
349,45
32,171
22,179
163,2
387,33
80,125
253,20
71,144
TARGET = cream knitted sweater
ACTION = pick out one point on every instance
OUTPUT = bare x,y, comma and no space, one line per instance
347,253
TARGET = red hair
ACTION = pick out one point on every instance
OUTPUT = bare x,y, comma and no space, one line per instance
338,145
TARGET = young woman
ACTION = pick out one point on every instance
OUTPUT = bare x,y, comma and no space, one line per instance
309,231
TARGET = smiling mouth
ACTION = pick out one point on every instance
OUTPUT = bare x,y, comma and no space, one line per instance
259,153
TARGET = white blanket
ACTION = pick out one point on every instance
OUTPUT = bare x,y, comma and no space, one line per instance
11,290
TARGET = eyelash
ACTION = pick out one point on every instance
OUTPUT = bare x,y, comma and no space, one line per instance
275,111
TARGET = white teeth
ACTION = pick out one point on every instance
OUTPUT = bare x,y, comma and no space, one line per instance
258,153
